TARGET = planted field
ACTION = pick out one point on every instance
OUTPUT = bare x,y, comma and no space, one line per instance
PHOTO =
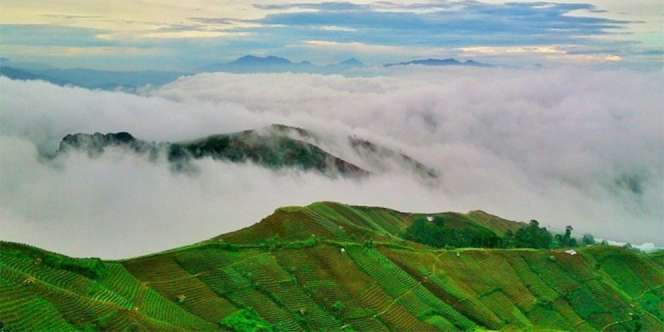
355,272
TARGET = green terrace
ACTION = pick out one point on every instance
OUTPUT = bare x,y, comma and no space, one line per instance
334,267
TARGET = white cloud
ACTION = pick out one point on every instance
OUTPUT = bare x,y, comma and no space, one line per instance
337,28
67,52
563,146
552,53
364,48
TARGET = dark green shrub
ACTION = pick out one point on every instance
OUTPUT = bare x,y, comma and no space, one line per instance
246,320
437,233
338,308
533,236
588,239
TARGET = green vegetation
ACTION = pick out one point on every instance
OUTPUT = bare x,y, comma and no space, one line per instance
273,152
533,236
275,147
246,320
89,267
588,239
334,267
433,231
453,230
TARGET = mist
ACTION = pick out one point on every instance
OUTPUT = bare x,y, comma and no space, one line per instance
563,146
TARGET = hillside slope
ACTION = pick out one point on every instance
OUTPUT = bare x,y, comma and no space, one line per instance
330,266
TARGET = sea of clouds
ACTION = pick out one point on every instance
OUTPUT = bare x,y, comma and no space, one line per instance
564,146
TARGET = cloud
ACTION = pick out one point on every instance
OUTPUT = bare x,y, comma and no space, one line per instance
551,52
370,49
62,110
437,24
93,51
562,146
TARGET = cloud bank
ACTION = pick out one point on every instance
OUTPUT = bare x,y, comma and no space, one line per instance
561,146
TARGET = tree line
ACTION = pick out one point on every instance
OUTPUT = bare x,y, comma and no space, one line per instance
433,231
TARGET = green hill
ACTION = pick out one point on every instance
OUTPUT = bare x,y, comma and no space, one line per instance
329,266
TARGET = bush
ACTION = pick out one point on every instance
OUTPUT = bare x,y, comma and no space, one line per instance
588,239
246,320
338,308
311,242
221,244
89,267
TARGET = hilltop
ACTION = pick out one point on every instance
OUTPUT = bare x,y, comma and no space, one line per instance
330,266
275,147
271,147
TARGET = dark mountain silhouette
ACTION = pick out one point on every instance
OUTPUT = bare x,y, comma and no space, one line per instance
439,62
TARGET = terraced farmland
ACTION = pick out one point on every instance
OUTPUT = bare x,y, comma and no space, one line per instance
333,267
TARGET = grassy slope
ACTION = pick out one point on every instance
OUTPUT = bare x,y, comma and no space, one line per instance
335,280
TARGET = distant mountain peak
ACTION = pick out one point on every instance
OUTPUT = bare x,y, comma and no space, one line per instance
351,62
253,60
438,62
275,64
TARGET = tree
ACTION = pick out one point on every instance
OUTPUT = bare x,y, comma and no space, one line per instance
508,241
567,238
533,236
573,243
437,233
426,232
588,239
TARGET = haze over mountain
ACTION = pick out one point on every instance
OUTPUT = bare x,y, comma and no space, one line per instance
133,80
275,147
498,142
439,62
92,78
274,64
264,147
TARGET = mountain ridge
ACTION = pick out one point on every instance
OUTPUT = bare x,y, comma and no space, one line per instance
93,78
133,80
276,146
439,62
276,64
263,146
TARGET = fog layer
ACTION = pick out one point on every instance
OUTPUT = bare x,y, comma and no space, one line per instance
563,146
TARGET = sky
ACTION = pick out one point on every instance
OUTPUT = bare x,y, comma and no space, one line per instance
187,35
